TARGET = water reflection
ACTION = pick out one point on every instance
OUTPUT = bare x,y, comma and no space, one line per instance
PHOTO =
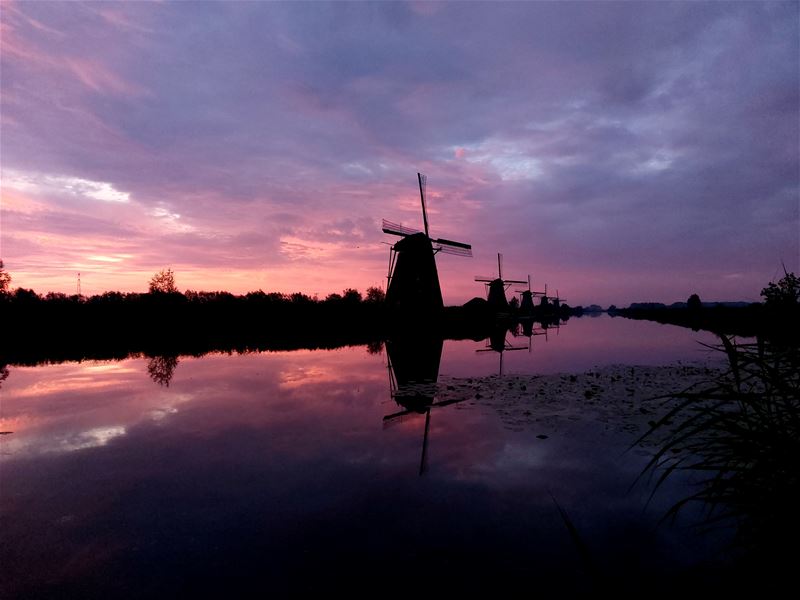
248,472
3,376
498,342
530,330
162,368
3,373
413,364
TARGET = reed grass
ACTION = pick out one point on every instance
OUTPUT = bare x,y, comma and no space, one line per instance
739,438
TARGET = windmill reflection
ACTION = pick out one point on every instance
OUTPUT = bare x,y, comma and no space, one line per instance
497,342
162,368
529,330
413,364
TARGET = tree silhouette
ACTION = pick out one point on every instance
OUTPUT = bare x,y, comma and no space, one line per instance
5,279
693,303
163,282
375,294
352,296
785,293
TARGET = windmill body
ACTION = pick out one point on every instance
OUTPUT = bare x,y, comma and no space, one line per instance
526,304
497,296
413,281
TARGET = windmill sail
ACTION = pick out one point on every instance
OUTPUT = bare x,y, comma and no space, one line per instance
499,277
397,229
423,180
451,247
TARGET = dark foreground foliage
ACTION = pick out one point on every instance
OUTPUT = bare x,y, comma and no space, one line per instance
739,438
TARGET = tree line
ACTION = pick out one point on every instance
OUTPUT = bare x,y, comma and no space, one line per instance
162,289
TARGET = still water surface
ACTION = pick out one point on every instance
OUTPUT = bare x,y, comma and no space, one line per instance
276,475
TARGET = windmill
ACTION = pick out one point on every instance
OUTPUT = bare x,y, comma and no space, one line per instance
526,298
557,301
552,303
496,287
413,281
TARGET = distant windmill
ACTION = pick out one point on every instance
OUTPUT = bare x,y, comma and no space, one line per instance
496,287
557,301
547,301
527,296
413,281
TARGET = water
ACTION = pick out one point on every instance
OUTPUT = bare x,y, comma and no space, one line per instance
278,475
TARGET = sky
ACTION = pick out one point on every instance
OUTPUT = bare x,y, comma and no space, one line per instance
619,152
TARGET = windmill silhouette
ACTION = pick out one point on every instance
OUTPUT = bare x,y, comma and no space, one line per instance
556,300
496,288
546,302
413,281
526,298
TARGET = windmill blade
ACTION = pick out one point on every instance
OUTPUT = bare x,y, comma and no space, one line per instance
396,229
452,243
499,266
423,180
454,250
513,281
485,279
452,247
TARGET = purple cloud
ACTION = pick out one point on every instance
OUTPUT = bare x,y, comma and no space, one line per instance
619,151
